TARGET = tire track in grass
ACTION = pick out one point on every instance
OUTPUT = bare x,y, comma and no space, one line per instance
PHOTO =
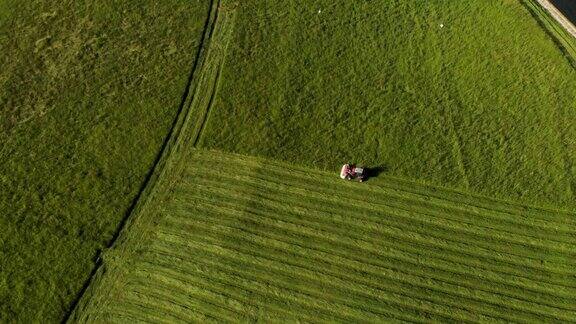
375,229
153,312
439,218
383,200
164,286
443,194
170,299
298,296
405,225
135,311
130,316
365,195
247,287
241,295
356,239
234,169
374,290
372,283
256,240
388,203
265,241
509,210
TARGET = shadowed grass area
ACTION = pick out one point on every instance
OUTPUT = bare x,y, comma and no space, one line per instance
469,94
88,90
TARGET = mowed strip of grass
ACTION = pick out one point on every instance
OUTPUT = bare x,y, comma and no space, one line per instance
245,239
88,90
468,94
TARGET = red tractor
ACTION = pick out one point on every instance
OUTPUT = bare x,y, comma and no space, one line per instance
352,172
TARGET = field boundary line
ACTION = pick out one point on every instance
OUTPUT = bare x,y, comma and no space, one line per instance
457,148
551,21
168,165
559,16
563,33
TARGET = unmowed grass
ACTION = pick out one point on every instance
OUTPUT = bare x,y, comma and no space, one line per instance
468,94
88,91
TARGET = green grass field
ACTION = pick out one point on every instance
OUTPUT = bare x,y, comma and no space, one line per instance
244,239
485,104
223,237
88,91
218,127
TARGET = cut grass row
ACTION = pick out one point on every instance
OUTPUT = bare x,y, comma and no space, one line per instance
249,239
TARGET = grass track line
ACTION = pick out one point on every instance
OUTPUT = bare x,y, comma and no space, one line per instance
360,239
172,286
272,271
535,264
247,186
163,292
427,191
240,295
434,306
204,280
136,309
343,241
129,316
158,313
352,203
271,175
168,256
269,179
411,258
298,296
366,223
411,254
551,20
142,273
264,244
239,238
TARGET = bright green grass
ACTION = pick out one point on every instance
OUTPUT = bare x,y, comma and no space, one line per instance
244,239
88,91
486,103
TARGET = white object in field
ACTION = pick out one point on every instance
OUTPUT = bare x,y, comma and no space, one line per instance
344,171
319,11
358,170
441,25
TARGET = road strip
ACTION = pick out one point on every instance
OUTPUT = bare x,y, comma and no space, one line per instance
559,16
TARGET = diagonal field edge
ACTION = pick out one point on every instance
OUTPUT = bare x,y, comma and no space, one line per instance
559,16
563,33
552,25
166,166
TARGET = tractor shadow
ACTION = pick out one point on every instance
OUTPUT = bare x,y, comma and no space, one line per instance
374,172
